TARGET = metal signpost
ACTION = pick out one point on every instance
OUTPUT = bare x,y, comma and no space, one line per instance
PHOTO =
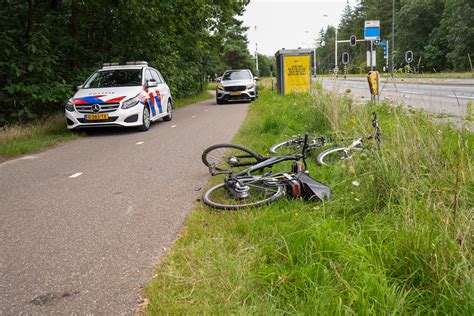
384,44
372,33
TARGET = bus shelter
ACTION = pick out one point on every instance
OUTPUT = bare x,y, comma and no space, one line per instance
293,70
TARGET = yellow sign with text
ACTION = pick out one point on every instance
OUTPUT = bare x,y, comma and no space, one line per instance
297,74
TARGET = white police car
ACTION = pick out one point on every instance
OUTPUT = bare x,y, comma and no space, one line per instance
130,94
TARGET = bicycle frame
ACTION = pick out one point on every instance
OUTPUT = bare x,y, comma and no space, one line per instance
269,161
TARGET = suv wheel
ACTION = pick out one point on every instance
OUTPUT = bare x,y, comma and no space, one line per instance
146,121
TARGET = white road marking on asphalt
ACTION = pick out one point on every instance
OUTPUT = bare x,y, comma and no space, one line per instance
75,175
411,92
460,97
18,159
193,116
139,143
173,126
206,110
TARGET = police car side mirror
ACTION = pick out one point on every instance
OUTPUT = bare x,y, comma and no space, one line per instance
151,83
256,78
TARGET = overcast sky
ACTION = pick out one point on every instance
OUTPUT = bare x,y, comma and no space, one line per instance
289,24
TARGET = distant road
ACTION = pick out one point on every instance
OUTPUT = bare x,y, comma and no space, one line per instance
83,225
441,96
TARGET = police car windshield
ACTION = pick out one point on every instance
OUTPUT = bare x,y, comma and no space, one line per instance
237,75
115,78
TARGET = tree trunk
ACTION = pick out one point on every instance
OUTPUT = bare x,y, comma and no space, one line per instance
54,5
29,22
74,20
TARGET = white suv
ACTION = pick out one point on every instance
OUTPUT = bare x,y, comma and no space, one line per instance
132,94
237,85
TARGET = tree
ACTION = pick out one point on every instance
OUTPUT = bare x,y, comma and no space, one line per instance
47,47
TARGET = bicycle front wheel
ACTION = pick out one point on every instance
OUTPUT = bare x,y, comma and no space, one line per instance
258,192
333,155
229,157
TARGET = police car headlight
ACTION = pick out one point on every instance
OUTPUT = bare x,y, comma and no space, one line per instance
129,103
220,87
250,86
70,106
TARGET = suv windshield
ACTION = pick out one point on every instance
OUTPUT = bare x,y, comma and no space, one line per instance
115,78
237,75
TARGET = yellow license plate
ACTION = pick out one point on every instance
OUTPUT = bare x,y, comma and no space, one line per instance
96,117
235,93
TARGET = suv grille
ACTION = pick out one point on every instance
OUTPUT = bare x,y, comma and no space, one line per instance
104,107
235,88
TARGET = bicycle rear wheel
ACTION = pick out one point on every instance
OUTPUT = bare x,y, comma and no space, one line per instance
257,192
333,155
287,147
229,157
295,145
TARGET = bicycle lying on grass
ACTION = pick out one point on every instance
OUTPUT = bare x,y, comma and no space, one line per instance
332,154
242,188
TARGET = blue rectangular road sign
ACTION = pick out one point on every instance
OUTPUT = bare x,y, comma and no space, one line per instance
372,30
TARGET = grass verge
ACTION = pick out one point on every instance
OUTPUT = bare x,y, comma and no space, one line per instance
179,103
23,139
395,239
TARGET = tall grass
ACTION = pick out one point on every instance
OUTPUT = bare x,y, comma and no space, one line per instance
205,95
22,139
395,239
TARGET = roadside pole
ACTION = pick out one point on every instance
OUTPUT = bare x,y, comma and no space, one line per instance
314,60
335,54
393,37
256,59
470,63
256,54
371,53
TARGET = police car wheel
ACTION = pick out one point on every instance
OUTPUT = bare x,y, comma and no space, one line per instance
146,122
170,112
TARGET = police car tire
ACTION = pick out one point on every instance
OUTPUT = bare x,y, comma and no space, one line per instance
169,117
144,127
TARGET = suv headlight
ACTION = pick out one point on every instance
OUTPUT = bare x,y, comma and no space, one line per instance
127,104
70,106
220,87
250,86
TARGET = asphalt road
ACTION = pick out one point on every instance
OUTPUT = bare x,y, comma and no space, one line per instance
443,96
84,224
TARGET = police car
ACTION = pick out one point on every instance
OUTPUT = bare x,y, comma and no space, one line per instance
129,94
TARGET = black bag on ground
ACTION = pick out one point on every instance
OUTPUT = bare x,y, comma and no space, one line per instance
313,189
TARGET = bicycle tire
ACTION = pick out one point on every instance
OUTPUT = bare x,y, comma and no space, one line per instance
218,157
295,145
328,157
288,146
219,198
